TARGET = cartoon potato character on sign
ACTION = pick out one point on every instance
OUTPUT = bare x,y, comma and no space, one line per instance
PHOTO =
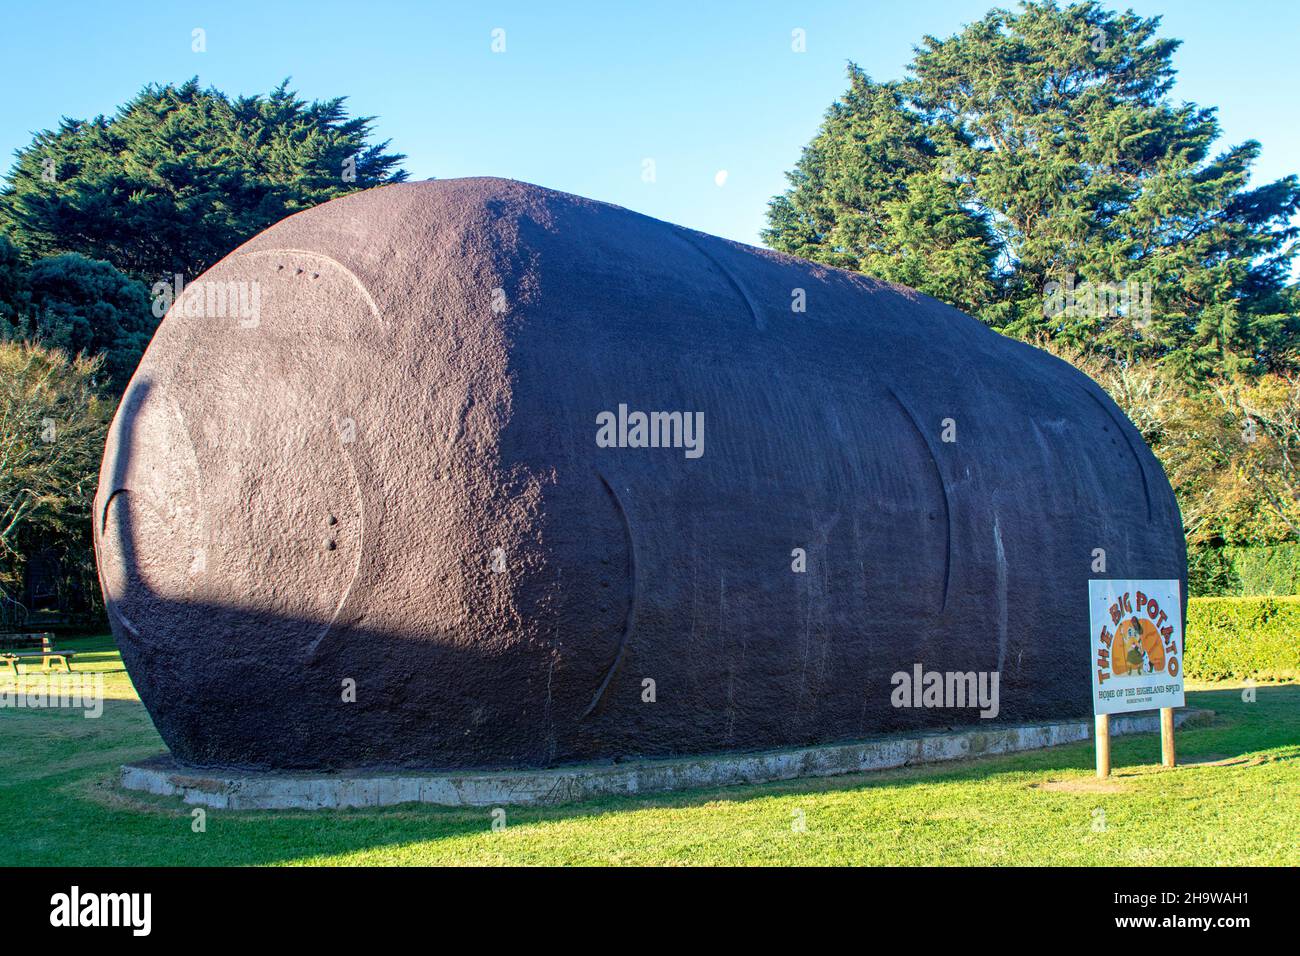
1137,648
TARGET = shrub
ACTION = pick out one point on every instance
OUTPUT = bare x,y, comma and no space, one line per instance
85,306
1273,569
1217,571
1236,637
1210,572
52,426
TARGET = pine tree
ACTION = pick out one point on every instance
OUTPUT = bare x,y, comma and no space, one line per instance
1078,201
181,175
870,193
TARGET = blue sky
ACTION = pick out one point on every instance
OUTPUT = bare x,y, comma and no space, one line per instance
585,92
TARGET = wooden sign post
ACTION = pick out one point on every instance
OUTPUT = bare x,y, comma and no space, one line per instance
1136,655
1102,737
1167,736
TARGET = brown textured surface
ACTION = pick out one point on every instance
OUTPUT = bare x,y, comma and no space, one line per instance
319,497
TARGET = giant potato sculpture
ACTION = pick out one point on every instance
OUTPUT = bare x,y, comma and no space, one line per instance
379,496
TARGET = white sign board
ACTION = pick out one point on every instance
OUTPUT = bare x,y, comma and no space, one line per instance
1136,645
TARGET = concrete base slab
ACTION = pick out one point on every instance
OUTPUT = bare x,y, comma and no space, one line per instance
252,790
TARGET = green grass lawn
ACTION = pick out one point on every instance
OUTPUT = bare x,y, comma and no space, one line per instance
1236,800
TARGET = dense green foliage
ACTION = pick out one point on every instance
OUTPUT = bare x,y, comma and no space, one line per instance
52,426
1039,151
871,194
1273,570
1260,570
182,175
82,306
1236,637
1210,572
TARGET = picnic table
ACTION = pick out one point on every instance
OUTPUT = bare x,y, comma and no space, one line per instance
23,647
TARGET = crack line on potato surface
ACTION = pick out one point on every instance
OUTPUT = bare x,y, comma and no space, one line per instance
728,275
1146,489
943,486
631,610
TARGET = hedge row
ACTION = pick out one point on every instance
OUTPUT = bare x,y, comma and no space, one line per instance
1242,637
